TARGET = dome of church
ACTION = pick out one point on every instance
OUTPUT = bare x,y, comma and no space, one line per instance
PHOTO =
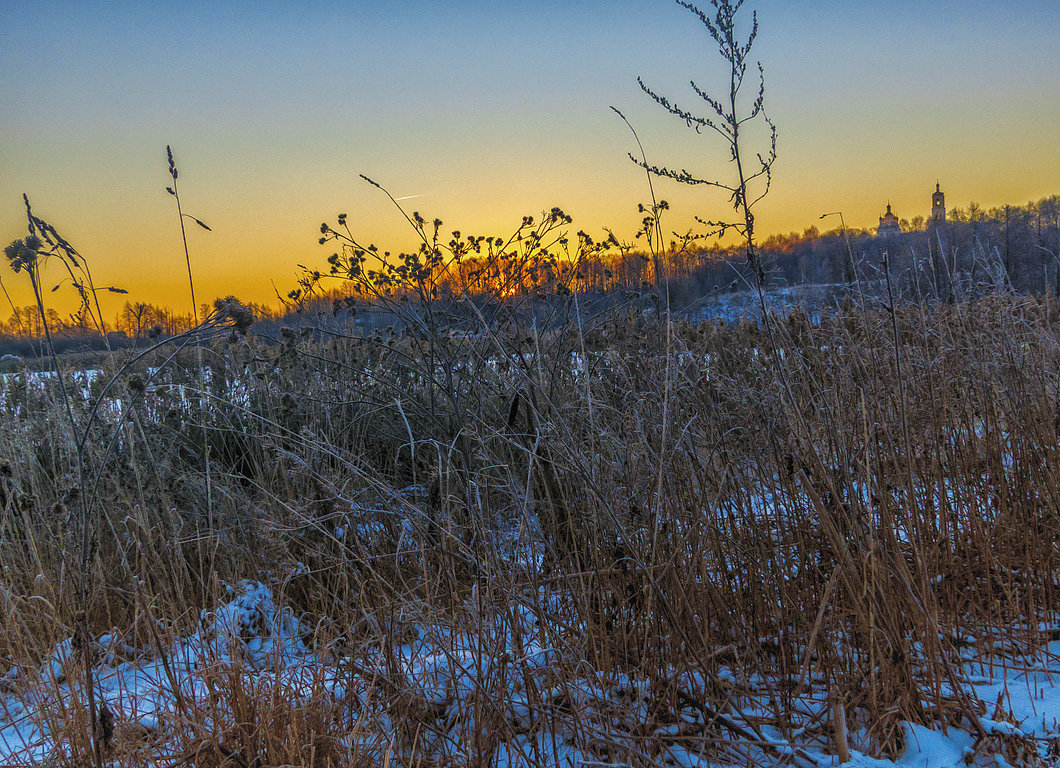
889,224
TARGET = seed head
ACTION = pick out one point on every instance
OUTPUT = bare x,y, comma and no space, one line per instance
172,164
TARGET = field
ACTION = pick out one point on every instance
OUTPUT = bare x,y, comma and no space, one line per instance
704,494
609,539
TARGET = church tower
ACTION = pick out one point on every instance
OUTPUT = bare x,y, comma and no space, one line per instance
938,205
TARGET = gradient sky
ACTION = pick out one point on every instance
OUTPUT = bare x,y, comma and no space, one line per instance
488,111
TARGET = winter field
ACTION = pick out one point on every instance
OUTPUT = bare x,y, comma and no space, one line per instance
623,541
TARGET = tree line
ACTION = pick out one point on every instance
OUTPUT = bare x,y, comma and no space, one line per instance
1015,246
136,323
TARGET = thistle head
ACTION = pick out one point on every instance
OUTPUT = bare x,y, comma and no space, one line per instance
231,309
23,254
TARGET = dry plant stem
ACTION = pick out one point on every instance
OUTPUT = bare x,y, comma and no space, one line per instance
207,474
86,549
99,312
839,724
898,361
655,240
657,247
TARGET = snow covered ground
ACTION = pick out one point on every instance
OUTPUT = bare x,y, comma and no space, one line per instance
494,678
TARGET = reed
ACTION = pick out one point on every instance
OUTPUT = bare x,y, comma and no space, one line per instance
841,554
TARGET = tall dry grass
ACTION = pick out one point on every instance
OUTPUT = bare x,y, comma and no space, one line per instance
721,534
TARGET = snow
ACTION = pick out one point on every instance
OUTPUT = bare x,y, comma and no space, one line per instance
927,748
503,667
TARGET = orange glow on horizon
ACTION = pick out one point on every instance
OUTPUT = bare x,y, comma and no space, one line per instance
245,257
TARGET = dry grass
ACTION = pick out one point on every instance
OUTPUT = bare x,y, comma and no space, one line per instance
699,522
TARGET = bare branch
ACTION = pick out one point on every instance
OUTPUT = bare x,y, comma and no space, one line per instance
692,121
683,176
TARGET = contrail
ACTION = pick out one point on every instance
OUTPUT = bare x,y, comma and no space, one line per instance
408,197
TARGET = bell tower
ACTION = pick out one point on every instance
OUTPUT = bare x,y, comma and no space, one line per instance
938,204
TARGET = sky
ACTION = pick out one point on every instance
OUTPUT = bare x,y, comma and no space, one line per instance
480,113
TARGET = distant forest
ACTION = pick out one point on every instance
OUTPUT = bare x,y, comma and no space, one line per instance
974,250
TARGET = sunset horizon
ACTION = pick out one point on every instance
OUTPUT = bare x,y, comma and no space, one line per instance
479,116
